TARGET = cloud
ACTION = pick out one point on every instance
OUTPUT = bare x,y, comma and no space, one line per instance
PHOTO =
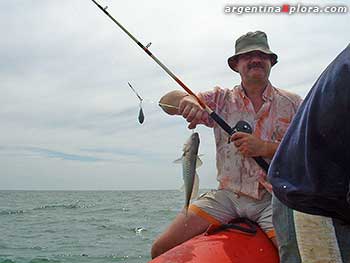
47,153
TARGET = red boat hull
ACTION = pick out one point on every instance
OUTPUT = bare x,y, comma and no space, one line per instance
225,246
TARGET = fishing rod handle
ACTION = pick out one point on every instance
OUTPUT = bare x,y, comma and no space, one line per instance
262,163
221,122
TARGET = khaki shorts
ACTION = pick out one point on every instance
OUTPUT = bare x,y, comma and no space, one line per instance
221,206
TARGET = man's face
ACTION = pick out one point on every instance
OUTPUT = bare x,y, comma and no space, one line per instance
254,66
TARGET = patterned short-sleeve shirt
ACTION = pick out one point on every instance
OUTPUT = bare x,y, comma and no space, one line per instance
234,171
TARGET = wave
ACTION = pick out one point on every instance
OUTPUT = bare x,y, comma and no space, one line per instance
74,205
81,256
139,230
113,257
21,248
53,206
12,212
43,260
7,261
35,260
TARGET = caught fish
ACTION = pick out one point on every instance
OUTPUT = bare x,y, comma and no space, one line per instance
141,115
190,161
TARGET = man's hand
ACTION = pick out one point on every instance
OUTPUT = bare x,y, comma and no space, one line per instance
252,146
248,144
191,110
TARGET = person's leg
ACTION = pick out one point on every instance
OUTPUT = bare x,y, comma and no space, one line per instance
283,222
342,231
210,208
260,211
181,229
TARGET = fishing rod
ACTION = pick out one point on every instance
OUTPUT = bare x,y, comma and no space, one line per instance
246,128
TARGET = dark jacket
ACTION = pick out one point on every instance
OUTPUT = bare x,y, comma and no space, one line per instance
310,170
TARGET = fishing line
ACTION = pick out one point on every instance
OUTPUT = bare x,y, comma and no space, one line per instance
152,102
141,116
260,161
216,117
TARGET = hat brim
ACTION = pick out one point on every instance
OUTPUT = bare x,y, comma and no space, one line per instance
232,61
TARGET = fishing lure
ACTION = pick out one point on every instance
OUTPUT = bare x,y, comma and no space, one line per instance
141,116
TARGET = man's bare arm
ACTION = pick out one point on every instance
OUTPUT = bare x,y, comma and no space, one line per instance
180,103
170,102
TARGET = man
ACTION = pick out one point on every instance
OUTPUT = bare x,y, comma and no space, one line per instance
310,173
242,185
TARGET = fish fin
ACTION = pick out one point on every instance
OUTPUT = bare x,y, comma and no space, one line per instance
182,188
199,162
195,189
178,160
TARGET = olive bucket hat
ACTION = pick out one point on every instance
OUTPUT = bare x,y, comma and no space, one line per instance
252,41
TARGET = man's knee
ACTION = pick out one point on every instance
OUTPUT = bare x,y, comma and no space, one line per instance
182,229
157,249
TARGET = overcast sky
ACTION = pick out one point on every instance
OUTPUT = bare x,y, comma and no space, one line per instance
68,117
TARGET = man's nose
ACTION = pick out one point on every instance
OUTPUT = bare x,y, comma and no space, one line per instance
256,58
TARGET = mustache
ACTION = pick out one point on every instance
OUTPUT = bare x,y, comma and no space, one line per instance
255,65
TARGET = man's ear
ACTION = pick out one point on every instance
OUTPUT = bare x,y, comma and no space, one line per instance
234,65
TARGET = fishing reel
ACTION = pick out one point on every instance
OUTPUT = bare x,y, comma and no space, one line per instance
242,126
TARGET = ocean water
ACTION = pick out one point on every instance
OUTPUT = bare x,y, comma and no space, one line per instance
83,226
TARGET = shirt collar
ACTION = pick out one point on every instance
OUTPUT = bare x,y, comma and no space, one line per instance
267,94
